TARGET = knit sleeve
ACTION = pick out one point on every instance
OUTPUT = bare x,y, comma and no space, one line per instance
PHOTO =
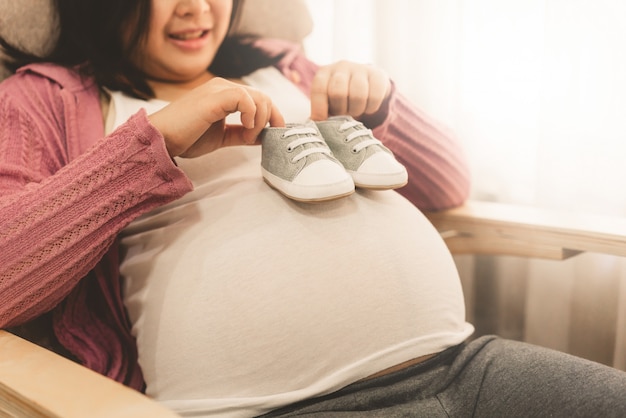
58,217
439,175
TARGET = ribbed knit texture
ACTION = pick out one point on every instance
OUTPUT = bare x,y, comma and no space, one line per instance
66,193
60,214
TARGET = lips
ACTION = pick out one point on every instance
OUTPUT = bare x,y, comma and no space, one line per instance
190,40
189,35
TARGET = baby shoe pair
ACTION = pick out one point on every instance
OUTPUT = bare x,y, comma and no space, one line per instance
319,161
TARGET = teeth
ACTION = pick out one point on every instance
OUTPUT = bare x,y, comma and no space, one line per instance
188,35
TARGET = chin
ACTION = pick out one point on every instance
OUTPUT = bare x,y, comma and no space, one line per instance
193,69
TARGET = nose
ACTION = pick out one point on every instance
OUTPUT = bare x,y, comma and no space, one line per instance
186,8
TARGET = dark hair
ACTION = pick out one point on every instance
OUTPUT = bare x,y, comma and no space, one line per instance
90,37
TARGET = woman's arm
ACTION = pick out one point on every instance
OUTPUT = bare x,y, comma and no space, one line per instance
438,170
439,175
59,215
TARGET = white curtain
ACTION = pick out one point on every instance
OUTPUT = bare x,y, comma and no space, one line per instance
536,92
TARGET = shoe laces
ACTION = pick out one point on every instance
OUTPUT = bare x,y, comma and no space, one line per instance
305,135
360,131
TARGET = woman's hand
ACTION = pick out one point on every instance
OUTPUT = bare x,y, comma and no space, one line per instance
195,124
347,88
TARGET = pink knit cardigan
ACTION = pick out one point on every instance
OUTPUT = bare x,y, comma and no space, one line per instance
66,192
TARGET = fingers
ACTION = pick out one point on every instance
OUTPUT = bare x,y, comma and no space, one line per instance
257,111
276,118
346,88
194,124
379,90
238,135
212,139
359,93
265,112
319,94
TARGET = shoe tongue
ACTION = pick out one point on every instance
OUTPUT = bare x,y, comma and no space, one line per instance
344,118
306,125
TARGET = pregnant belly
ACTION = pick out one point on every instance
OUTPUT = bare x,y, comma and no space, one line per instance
244,284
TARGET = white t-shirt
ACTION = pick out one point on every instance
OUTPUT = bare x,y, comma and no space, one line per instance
243,301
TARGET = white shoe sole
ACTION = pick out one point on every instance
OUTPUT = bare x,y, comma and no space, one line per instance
379,181
317,193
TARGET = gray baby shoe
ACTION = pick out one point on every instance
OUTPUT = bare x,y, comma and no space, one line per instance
297,162
369,162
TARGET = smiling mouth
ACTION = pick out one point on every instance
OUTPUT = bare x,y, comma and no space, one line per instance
189,35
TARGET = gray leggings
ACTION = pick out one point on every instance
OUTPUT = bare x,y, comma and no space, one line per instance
488,377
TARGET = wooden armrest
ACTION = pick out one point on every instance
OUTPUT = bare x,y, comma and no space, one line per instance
35,382
504,229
